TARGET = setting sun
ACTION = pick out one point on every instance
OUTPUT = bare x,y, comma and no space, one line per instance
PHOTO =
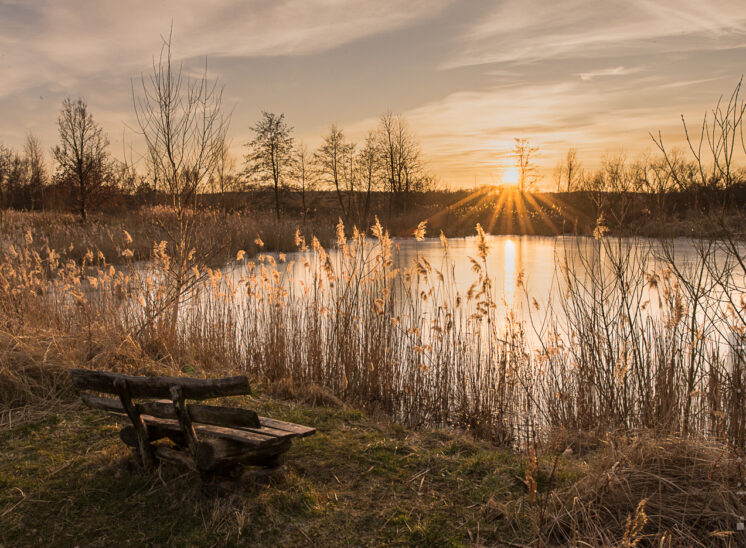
511,176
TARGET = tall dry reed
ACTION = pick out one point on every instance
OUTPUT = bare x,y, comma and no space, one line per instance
403,340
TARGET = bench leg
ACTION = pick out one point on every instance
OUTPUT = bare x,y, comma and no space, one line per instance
145,450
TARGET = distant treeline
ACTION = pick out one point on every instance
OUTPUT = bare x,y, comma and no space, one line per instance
85,177
635,197
188,165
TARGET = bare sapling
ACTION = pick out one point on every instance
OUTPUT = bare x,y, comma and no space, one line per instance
182,123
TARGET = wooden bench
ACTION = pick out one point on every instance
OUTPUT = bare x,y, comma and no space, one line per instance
207,438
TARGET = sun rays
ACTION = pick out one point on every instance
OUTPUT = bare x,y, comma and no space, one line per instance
507,210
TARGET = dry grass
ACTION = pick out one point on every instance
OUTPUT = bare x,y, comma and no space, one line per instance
651,491
359,481
400,339
315,395
31,371
217,236
355,334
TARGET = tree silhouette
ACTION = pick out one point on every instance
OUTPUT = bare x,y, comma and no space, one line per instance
270,153
399,157
524,154
82,158
331,161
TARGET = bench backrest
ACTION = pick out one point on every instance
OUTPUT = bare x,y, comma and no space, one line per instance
89,382
159,387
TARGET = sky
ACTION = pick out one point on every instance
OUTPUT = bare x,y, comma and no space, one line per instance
469,75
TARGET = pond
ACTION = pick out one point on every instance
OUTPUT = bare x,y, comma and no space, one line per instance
529,275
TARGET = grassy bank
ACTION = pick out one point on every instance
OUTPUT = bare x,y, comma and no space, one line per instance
67,480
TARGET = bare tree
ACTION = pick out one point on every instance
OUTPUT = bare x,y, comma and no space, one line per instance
23,176
181,120
368,167
82,158
13,177
124,177
270,152
350,177
715,151
224,179
524,154
37,169
6,158
569,172
330,160
303,174
399,157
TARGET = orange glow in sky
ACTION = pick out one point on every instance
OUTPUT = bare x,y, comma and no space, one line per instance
469,76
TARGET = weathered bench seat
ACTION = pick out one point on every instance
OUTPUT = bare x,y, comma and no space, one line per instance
207,438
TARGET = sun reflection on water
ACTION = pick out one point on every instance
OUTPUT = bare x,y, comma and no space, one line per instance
509,270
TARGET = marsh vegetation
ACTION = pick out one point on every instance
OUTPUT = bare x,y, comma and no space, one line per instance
629,348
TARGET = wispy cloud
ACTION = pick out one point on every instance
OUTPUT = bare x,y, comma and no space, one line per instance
529,30
686,83
616,71
64,42
469,75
